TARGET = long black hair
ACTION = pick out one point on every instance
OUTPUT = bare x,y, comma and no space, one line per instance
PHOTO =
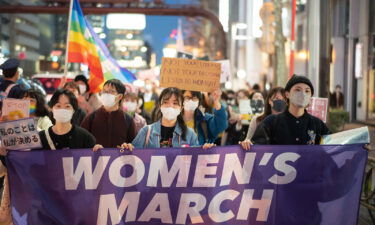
165,95
198,95
41,107
267,107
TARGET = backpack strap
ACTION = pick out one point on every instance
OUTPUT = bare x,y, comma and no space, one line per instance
10,86
147,140
49,140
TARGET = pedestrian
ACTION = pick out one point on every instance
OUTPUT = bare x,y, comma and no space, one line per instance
88,101
294,126
64,134
170,130
79,114
130,106
8,86
275,104
110,125
38,109
207,126
337,98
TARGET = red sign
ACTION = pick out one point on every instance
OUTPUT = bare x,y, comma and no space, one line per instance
319,108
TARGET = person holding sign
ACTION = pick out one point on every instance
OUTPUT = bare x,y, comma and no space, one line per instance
294,126
170,130
38,109
65,135
207,126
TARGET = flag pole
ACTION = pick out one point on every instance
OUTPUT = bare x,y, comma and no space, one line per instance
67,38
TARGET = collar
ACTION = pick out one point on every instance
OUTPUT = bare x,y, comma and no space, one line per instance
305,115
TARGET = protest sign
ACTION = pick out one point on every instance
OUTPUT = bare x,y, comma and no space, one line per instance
15,108
190,74
225,71
319,108
245,111
270,185
20,134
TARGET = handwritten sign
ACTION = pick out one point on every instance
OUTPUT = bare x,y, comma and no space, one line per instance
15,108
319,108
225,71
20,134
190,74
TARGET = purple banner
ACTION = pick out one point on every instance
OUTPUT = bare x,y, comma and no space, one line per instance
283,185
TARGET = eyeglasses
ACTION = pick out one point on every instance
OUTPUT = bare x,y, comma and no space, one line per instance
195,99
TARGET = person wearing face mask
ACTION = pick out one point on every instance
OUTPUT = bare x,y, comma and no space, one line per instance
150,97
275,104
130,106
79,114
89,102
64,134
110,125
207,126
170,130
294,126
38,109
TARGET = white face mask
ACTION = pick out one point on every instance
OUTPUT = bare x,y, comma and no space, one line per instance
300,99
130,106
170,113
62,115
82,88
191,105
108,100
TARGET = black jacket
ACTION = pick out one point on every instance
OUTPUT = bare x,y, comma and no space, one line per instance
285,129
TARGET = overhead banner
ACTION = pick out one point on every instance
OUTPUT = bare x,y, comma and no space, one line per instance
272,185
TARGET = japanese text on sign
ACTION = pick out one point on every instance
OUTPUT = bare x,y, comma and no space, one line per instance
20,134
188,74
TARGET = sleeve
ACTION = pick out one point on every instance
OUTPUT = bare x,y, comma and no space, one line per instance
90,140
131,131
217,122
16,92
252,128
85,123
262,133
139,140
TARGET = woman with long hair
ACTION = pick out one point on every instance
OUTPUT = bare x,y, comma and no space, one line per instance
170,129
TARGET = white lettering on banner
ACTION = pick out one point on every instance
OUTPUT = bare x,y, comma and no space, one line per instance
84,168
232,165
263,205
214,211
185,209
108,205
289,171
203,169
116,166
161,201
159,166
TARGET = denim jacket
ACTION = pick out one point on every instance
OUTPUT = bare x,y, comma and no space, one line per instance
155,133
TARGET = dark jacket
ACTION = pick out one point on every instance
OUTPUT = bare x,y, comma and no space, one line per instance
336,101
77,136
110,129
15,92
285,129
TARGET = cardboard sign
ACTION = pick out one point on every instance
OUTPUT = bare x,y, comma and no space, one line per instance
190,74
225,71
20,134
14,109
319,108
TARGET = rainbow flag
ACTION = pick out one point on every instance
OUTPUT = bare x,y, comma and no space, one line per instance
86,47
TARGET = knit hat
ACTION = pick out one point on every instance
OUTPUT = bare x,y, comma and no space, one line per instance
295,79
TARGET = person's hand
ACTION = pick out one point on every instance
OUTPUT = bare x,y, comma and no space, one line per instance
367,147
129,147
3,151
246,144
208,145
97,147
63,81
216,96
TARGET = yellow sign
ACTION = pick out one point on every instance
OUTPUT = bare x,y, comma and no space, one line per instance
190,74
